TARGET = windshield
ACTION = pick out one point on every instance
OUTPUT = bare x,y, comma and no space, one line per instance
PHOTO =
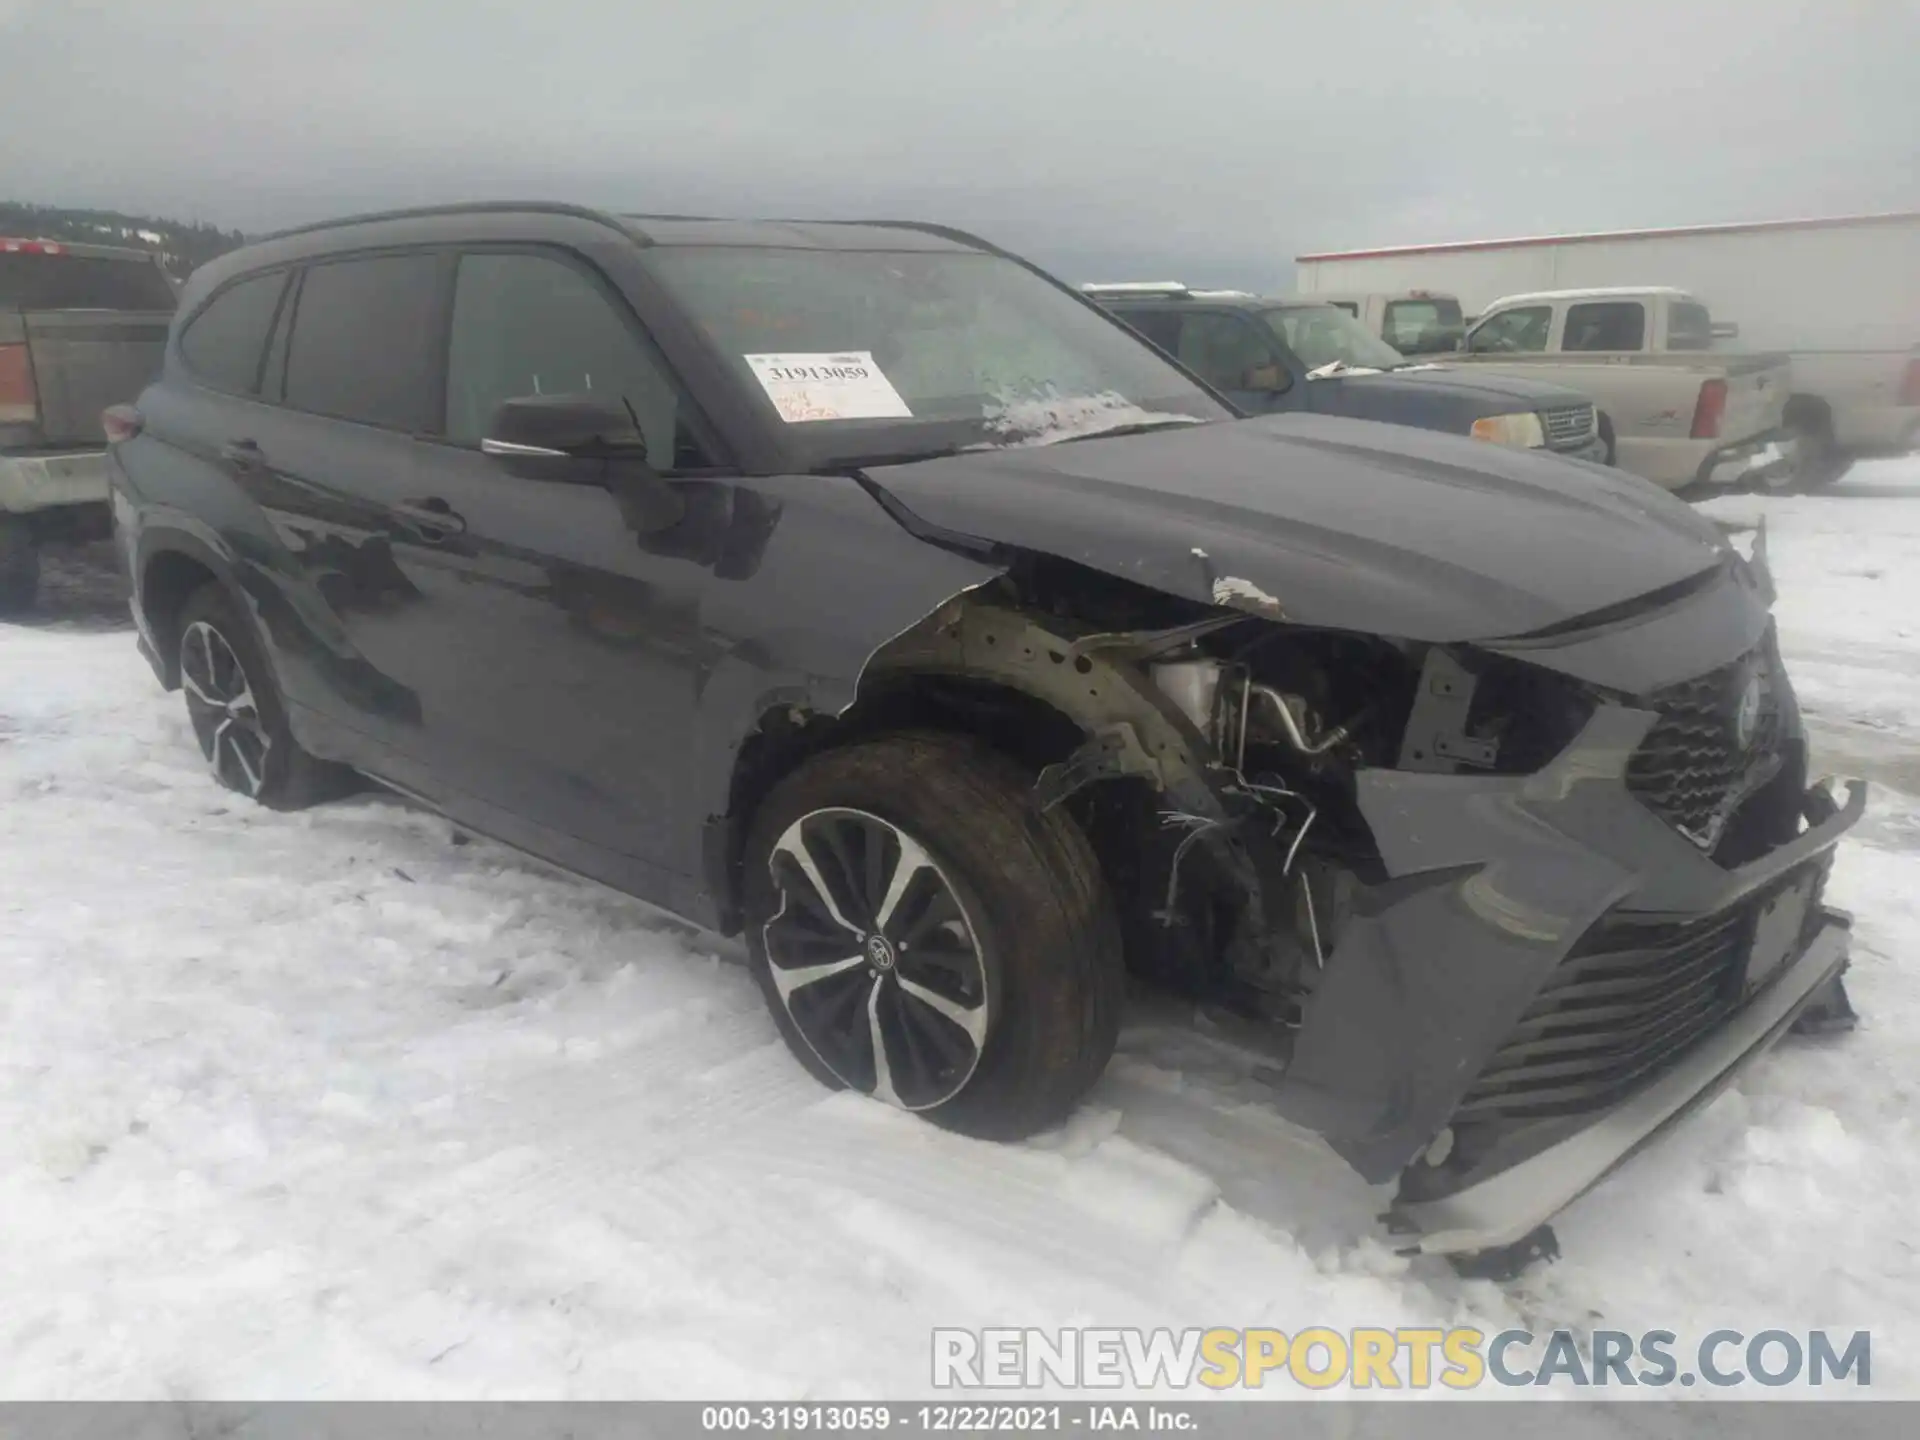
1323,335
868,355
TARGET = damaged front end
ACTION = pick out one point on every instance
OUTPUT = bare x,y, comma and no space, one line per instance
1496,912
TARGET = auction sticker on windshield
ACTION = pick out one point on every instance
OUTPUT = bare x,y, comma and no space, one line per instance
847,386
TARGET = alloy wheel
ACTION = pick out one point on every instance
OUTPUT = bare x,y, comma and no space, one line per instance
875,959
223,709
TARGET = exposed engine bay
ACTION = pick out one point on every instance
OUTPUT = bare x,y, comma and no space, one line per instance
1469,904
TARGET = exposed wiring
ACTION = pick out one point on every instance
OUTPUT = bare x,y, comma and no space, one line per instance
1313,922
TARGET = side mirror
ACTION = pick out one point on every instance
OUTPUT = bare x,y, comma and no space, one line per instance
1724,330
554,427
583,440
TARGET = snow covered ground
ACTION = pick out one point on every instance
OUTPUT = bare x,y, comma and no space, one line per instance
327,1105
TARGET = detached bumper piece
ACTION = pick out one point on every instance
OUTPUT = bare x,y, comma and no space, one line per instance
1643,1024
1763,458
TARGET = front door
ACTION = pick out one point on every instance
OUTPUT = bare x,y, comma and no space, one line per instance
564,692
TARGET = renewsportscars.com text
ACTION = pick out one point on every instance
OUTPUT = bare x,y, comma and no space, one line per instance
1320,1358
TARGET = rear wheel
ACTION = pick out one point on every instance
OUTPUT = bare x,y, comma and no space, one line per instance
923,934
236,711
1821,460
19,565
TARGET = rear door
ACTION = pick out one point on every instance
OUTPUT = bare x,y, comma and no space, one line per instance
92,330
350,377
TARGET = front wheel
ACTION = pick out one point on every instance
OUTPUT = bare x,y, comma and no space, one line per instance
925,935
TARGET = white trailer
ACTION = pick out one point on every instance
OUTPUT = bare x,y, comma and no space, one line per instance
1840,296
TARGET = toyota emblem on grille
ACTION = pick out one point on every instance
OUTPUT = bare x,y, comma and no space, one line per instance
1746,712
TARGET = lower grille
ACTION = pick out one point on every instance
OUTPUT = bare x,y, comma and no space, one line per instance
1692,762
1630,1000
1568,426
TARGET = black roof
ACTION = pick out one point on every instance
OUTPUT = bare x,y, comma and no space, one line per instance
509,220
800,234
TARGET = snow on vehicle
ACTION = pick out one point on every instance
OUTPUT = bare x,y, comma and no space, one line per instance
861,588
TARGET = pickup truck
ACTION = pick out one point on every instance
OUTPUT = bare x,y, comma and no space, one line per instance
1838,296
1268,355
1677,415
82,327
1414,322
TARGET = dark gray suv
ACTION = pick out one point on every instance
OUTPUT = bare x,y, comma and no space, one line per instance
860,588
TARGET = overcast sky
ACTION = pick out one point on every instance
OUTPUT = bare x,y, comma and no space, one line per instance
1194,139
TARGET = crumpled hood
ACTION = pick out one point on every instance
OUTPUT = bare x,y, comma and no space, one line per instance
1382,529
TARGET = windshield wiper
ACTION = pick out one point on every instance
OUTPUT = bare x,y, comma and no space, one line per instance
1141,427
899,457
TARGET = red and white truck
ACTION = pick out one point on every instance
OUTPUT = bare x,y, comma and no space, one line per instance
82,327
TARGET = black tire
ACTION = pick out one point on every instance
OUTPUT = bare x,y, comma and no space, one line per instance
252,753
1031,901
1606,438
19,565
1822,461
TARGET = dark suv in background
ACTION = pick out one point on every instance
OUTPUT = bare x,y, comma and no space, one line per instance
1270,355
864,589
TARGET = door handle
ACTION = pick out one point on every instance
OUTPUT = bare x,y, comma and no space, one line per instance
431,518
243,455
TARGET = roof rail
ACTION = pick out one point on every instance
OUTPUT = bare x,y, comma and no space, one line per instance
925,227
1137,287
465,207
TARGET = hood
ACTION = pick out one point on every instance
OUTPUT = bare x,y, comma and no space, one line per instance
1376,528
1502,393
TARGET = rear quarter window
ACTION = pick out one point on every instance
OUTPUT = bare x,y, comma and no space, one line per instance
1689,327
222,345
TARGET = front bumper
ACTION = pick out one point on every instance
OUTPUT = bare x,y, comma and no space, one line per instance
1509,1205
1594,451
30,483
1445,1043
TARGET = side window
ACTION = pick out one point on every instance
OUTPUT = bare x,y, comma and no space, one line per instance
222,345
534,325
1607,325
1512,331
362,345
1160,326
1351,307
1228,351
1689,327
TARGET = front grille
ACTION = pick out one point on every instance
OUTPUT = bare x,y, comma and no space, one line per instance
1630,1000
1691,763
1568,426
